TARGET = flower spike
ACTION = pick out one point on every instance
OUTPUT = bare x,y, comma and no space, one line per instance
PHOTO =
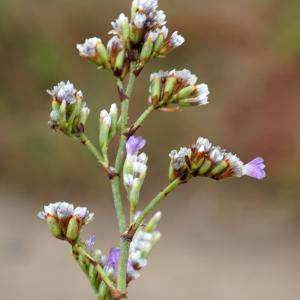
203,159
64,221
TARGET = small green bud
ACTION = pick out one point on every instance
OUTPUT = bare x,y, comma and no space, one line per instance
146,51
54,227
83,263
197,164
171,173
84,114
113,113
152,224
135,34
103,54
63,114
105,124
155,90
185,93
169,88
120,59
55,105
134,193
205,167
219,168
73,229
159,42
102,291
92,275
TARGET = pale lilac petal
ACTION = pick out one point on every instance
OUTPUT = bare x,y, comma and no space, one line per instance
255,168
90,243
134,145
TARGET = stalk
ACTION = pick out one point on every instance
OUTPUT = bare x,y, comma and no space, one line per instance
116,182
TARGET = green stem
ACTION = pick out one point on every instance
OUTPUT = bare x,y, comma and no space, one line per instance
154,202
79,249
139,122
116,182
84,139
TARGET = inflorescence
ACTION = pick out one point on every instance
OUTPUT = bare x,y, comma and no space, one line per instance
134,41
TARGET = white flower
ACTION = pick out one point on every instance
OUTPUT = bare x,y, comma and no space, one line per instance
176,39
140,20
186,76
84,216
203,145
160,74
65,210
88,48
105,117
115,44
216,154
65,91
152,36
202,94
118,24
179,157
235,164
50,209
146,6
159,18
128,180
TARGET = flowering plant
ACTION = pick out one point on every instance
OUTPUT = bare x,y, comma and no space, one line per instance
134,43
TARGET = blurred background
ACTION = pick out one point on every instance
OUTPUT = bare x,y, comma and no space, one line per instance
229,240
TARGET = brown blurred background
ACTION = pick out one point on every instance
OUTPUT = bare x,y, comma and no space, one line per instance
231,240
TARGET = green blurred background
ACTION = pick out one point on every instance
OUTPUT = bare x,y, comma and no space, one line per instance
230,240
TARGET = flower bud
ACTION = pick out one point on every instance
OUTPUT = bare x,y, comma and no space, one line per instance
205,167
73,229
147,48
121,27
103,291
103,55
94,50
152,224
169,88
92,274
84,114
172,43
105,125
162,35
69,113
113,113
53,226
64,221
155,89
219,168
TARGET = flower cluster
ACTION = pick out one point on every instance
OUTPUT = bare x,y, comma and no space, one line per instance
135,169
65,221
178,88
69,113
143,242
204,159
142,37
133,43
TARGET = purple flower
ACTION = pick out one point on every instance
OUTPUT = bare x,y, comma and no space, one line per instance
90,243
134,145
112,259
255,168
112,262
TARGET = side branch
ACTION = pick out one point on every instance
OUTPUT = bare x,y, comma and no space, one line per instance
139,122
114,291
151,206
